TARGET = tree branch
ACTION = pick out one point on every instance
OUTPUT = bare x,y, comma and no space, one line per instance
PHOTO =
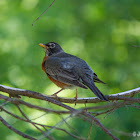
20,92
13,92
25,120
18,101
49,137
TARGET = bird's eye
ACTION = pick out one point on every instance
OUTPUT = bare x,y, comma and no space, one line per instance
52,45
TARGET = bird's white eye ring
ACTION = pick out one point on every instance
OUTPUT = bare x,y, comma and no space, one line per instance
52,45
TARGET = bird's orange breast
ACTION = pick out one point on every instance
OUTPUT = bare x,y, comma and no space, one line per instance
58,83
44,59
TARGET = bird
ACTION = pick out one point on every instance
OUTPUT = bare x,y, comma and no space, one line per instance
67,71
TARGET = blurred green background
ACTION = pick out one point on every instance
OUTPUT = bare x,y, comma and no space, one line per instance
100,32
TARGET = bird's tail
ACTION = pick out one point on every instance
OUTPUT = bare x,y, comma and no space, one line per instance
95,90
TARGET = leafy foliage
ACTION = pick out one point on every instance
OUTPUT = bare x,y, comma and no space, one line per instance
100,32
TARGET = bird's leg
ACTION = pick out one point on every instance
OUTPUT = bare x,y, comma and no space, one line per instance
55,94
76,97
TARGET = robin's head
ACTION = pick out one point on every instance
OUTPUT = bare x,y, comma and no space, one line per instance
51,48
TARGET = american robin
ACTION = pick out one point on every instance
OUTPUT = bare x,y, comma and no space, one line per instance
66,70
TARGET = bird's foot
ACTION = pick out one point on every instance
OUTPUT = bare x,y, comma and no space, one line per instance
55,95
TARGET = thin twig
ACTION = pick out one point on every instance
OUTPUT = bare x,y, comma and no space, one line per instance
58,124
89,133
121,133
39,116
135,46
69,126
18,101
4,103
15,130
25,120
136,106
113,106
43,13
97,122
109,112
110,105
49,137
103,112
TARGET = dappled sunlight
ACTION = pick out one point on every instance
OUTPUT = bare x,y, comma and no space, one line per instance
74,45
121,54
100,32
12,137
29,4
126,29
52,88
93,12
47,119
17,77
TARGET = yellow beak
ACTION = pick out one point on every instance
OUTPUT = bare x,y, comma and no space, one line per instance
42,45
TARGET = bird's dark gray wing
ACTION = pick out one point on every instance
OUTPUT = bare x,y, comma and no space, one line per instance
62,69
